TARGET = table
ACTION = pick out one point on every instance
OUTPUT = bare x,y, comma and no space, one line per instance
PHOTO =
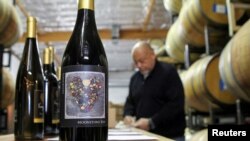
10,137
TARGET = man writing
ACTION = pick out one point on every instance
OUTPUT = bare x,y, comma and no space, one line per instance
156,96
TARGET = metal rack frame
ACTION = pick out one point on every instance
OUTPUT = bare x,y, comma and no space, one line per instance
231,6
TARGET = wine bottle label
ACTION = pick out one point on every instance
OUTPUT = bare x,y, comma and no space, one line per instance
84,98
38,106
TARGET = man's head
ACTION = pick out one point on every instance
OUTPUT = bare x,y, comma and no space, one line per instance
144,57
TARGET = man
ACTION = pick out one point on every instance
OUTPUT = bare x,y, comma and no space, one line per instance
156,96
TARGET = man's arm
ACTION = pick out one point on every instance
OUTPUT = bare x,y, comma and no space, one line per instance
129,112
129,108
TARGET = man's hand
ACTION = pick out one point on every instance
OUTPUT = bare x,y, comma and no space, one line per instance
142,123
128,120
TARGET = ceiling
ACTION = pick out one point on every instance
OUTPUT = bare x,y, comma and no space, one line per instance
59,16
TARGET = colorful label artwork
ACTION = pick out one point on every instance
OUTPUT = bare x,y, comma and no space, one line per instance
84,95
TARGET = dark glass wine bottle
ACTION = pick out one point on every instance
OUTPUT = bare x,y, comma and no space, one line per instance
84,88
29,96
51,97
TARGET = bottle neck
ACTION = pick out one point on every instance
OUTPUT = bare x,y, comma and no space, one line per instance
86,19
85,32
51,57
47,68
86,14
47,64
85,41
31,27
31,58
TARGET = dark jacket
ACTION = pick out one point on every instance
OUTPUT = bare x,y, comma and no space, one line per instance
160,97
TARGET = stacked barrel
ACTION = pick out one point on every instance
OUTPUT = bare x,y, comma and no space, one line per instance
216,80
194,16
234,64
220,79
10,24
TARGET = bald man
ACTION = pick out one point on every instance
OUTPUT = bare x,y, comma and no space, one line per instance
156,98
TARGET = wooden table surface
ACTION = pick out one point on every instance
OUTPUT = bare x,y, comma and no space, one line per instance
10,137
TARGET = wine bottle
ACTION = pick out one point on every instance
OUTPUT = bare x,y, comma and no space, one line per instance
29,96
51,97
84,88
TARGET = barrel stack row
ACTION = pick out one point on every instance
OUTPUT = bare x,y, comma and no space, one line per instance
189,27
216,80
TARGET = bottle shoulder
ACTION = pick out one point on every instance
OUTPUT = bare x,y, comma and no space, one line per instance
88,54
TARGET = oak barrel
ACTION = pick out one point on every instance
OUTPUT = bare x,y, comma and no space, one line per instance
175,45
11,27
4,14
196,14
7,94
234,63
202,85
211,12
